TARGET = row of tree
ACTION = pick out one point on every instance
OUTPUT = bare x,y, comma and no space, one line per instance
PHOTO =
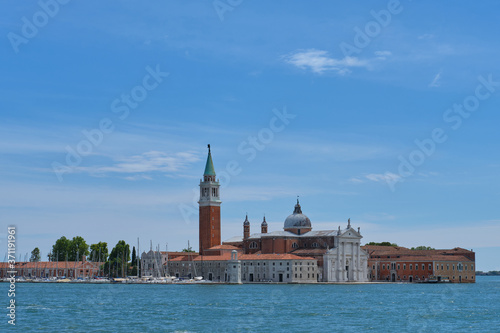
422,247
120,262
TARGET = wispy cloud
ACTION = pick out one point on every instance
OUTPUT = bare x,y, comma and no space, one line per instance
387,177
426,36
319,61
139,165
436,81
382,55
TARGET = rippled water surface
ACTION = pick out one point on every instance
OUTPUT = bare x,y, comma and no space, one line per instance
263,308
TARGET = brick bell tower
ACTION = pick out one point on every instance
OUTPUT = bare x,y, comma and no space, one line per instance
209,207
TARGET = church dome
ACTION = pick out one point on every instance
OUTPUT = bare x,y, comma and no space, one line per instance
297,219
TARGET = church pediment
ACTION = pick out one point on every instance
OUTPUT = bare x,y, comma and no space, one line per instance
350,233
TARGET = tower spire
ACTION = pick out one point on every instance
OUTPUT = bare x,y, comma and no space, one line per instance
209,167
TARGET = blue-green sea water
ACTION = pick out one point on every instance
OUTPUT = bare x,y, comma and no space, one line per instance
260,308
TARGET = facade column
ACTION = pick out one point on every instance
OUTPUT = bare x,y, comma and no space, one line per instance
343,262
360,268
353,269
337,268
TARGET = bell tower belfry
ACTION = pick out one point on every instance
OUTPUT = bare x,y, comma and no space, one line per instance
209,204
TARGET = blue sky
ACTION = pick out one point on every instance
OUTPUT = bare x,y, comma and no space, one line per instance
281,99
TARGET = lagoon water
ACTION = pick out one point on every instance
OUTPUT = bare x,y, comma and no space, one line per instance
52,307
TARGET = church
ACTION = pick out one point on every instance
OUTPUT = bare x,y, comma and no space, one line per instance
331,255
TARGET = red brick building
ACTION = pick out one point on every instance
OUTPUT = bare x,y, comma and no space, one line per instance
400,264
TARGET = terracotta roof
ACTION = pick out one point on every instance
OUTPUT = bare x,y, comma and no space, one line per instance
383,248
375,250
176,253
310,251
224,247
224,256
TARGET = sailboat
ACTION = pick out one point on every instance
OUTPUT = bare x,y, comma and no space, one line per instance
196,277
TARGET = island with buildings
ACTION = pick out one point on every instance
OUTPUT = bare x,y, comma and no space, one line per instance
296,254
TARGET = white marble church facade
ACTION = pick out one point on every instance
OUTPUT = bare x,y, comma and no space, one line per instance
346,261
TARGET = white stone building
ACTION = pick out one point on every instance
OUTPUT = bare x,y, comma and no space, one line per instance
346,261
153,263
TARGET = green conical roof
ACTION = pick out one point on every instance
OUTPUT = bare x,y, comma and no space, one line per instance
209,168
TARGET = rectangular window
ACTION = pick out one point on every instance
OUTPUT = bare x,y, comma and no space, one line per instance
404,266
411,266
383,266
399,266
430,266
423,267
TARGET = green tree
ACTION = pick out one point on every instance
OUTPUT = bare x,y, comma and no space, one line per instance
188,249
383,244
35,255
422,247
133,270
118,260
60,250
77,248
99,252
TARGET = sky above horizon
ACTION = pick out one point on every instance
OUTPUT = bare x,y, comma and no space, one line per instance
382,112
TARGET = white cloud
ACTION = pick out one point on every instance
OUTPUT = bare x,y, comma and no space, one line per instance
382,55
388,177
356,180
319,61
426,36
435,82
152,161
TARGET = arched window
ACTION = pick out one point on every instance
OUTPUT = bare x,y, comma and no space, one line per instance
253,245
295,245
315,244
